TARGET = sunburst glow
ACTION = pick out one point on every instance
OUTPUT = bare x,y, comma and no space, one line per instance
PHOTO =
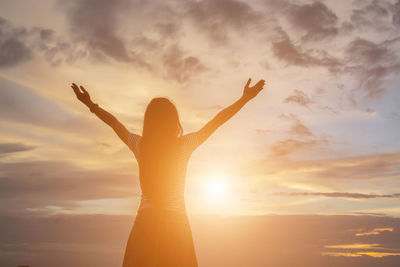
216,188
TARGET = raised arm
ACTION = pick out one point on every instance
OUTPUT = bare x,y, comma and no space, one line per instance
105,116
227,113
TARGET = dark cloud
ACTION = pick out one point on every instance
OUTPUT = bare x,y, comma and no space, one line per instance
366,52
64,241
338,194
371,63
396,14
54,48
374,15
219,18
285,50
102,27
179,66
316,19
269,240
13,49
19,44
95,22
168,29
38,184
6,148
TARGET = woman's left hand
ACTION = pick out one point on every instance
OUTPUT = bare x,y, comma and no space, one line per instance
82,94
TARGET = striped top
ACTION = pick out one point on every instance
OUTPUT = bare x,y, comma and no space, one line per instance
173,189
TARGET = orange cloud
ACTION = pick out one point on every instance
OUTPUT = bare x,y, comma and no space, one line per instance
355,246
359,254
376,231
360,246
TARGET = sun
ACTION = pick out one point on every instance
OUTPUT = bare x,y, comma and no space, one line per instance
217,187
215,193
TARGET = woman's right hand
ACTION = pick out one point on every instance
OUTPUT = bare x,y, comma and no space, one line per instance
251,92
82,94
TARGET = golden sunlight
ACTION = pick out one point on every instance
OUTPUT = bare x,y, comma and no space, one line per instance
216,185
216,189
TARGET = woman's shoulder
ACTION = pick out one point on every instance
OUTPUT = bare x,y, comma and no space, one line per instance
189,141
133,139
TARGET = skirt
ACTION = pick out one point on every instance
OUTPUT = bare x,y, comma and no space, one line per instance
160,237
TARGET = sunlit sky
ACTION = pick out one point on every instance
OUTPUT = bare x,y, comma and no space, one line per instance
323,137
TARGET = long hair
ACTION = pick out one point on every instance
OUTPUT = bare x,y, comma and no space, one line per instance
161,121
160,136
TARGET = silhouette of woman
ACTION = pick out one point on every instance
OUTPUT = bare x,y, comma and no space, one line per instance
161,235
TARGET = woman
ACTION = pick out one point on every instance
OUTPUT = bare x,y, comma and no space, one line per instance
161,235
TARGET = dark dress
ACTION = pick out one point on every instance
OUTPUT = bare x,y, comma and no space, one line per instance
161,234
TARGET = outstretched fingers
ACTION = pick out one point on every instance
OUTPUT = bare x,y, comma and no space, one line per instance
259,86
83,89
248,82
76,89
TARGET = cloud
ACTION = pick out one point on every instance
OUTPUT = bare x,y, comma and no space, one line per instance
300,98
218,18
6,148
371,63
40,184
366,52
285,50
396,14
297,128
373,15
100,240
354,246
95,22
375,231
374,254
155,45
54,48
316,19
360,249
300,138
20,44
13,49
338,194
288,146
63,240
180,67
363,167
346,171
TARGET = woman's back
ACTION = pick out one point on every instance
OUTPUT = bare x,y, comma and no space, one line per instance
162,175
161,235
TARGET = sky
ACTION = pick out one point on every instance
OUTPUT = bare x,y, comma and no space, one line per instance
321,139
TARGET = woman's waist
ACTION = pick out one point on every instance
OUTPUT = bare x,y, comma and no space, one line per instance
173,203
